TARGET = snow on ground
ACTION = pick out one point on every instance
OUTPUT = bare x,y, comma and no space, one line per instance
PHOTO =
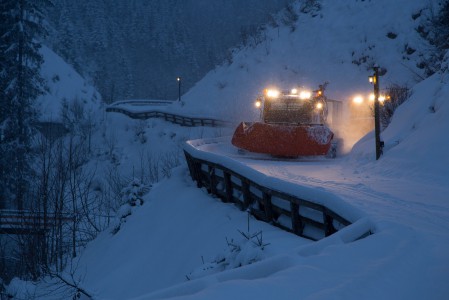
64,85
402,198
338,45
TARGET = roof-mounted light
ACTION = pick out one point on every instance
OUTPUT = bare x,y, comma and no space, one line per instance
357,99
305,95
271,93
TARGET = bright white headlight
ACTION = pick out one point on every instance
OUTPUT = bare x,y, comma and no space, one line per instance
305,95
272,93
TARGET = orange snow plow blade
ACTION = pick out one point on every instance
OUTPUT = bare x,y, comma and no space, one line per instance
283,140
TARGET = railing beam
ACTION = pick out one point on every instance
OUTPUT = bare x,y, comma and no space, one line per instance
269,210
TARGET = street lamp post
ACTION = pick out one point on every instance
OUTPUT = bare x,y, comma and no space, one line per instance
375,81
179,88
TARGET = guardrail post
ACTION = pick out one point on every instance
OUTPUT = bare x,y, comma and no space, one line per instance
189,164
195,169
267,206
199,177
228,187
246,194
328,224
297,225
212,180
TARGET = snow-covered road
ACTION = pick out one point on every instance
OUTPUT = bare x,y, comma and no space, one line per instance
379,194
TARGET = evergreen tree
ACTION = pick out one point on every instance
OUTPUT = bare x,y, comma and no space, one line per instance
441,24
21,25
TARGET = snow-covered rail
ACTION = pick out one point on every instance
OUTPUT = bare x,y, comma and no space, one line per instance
292,213
143,102
169,117
27,222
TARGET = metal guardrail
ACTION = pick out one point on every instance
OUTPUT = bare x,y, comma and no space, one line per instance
174,118
291,213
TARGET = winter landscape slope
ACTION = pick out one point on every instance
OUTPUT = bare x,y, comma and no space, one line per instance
338,44
406,257
65,86
402,198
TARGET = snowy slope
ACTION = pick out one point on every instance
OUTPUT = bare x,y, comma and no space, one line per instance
416,140
402,198
337,45
64,85
402,195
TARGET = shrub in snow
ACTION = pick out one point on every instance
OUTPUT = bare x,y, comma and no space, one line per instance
310,6
132,196
290,17
244,251
398,95
133,193
139,131
436,31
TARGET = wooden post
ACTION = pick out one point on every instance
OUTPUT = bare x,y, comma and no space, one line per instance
212,180
328,224
246,194
297,225
190,165
197,172
228,187
267,206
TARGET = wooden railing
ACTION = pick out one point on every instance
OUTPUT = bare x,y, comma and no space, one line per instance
174,118
28,222
292,213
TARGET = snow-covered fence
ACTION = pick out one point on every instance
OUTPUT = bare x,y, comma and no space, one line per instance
176,119
28,222
294,214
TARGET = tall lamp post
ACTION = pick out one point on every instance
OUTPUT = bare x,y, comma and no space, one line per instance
374,79
179,88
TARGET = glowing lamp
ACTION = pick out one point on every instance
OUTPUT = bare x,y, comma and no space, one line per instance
272,93
305,95
357,100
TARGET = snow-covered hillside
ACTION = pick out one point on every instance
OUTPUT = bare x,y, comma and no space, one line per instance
159,251
65,85
338,44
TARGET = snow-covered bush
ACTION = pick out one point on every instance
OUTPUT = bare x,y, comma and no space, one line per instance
436,31
310,6
398,95
290,17
140,130
132,196
133,193
240,252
